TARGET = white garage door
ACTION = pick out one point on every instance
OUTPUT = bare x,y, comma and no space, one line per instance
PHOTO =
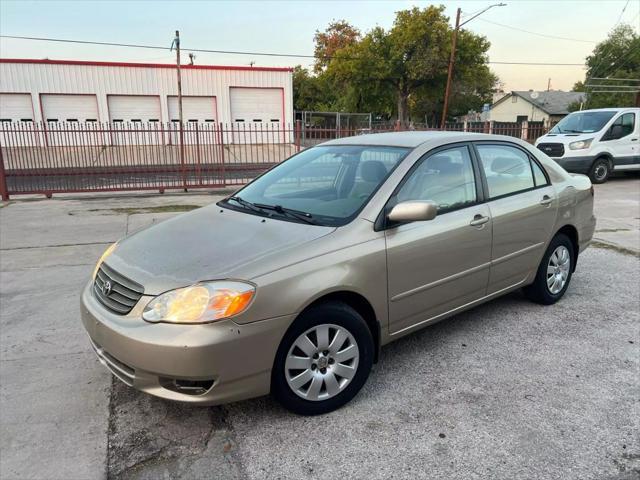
194,109
135,113
133,108
256,105
16,107
65,114
69,108
257,113
199,113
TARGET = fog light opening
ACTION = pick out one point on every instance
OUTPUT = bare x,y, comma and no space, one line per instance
188,387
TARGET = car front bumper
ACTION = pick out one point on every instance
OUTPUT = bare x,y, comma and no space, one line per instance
161,358
576,164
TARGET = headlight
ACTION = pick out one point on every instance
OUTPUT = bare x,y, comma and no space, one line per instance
103,257
581,144
200,303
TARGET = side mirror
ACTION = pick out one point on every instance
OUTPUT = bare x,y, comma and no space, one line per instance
413,211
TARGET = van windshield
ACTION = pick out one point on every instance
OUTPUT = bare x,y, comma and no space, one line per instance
324,185
583,122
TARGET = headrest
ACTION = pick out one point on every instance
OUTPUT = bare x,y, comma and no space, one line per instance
439,162
444,165
508,165
373,171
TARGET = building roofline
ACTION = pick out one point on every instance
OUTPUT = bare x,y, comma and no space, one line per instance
528,100
142,65
511,94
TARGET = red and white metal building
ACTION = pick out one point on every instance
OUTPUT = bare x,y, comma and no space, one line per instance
81,91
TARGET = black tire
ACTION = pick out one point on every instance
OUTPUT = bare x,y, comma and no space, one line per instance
539,291
600,170
335,313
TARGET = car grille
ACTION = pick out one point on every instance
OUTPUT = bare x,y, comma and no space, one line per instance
116,292
552,149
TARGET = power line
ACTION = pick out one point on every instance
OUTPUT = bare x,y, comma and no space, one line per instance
622,12
154,47
536,33
616,65
616,79
237,52
615,87
603,56
539,63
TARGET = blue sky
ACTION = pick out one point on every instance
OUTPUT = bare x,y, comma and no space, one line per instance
288,27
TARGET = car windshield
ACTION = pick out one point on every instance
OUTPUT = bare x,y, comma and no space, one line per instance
324,185
583,122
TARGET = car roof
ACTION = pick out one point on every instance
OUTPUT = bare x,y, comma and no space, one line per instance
620,109
413,139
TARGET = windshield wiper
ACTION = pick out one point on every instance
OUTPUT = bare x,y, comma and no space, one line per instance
261,207
246,204
304,216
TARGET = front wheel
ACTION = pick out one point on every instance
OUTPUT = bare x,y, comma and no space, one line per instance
600,171
554,272
323,360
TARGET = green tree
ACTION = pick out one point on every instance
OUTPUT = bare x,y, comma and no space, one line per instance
339,34
307,90
616,57
403,70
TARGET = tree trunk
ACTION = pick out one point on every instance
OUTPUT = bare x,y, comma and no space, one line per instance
403,106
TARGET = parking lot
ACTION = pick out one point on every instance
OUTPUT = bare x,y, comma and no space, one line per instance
508,390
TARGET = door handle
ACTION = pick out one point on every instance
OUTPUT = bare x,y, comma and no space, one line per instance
478,221
546,200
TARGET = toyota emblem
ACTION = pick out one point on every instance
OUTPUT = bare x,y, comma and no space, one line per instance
106,288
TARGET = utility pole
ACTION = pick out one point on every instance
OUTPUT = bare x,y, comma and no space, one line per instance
454,40
549,84
176,42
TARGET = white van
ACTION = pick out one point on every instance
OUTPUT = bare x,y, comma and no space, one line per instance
595,142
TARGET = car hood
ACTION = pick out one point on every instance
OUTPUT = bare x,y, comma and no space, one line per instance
565,138
207,244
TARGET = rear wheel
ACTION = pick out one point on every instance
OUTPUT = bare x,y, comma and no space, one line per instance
323,360
554,272
600,170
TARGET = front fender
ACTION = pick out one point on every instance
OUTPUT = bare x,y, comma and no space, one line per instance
360,268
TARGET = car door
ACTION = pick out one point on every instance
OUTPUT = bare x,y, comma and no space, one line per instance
438,265
622,139
523,208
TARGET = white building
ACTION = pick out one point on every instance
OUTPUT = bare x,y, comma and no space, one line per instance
79,91
520,106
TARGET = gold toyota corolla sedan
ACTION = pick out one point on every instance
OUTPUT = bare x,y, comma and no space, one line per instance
292,284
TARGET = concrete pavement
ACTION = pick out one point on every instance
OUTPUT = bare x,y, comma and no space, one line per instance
617,208
507,390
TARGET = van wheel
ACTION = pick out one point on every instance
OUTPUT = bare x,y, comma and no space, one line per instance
554,272
323,360
600,170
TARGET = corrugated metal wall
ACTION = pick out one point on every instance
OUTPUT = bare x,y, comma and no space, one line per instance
39,78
